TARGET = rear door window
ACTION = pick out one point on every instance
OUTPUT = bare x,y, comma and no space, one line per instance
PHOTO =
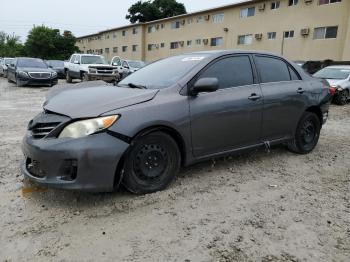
231,71
272,69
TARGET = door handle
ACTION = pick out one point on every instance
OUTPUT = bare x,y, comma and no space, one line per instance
300,90
254,97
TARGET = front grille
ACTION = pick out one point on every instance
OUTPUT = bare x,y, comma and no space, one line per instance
104,70
40,75
41,130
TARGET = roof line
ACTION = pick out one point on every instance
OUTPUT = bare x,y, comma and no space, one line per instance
242,2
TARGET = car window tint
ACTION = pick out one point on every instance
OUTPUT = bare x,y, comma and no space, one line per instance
231,72
272,69
293,74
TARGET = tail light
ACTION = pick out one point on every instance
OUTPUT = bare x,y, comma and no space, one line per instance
332,90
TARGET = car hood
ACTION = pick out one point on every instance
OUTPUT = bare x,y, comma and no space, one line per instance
100,65
87,102
34,69
337,82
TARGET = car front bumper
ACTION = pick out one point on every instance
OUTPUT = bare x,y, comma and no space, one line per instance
104,77
37,82
86,164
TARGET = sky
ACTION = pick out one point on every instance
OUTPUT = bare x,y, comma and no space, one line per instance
82,17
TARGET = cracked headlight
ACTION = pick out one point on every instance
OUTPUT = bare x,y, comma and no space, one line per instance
87,127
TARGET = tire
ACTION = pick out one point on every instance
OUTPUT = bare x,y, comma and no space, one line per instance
68,78
341,98
18,83
84,77
151,163
306,134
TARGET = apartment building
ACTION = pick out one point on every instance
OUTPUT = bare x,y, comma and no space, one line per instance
296,29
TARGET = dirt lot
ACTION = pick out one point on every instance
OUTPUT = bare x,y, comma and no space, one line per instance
261,206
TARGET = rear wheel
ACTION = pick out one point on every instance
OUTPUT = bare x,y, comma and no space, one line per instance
68,78
151,163
341,98
306,135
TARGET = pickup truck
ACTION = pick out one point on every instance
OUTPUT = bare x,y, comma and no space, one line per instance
88,67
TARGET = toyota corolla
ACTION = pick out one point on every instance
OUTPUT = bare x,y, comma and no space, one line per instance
172,113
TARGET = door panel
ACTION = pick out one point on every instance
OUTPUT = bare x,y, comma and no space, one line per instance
230,117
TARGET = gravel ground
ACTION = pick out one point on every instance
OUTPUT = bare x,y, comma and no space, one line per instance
260,206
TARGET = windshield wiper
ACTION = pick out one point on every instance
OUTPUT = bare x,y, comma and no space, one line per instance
136,86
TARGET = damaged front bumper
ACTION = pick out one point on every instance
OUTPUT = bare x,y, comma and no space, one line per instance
87,164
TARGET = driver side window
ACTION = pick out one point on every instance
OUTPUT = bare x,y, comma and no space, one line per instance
231,71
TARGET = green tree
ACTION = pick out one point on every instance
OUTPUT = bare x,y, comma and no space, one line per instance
10,45
48,43
145,11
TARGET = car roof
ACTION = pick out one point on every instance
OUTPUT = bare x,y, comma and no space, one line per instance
87,54
339,66
234,51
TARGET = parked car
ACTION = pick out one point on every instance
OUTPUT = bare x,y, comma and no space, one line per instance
57,66
133,65
176,111
339,78
118,62
31,71
89,67
5,62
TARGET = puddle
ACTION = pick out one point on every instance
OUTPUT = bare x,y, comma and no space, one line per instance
28,190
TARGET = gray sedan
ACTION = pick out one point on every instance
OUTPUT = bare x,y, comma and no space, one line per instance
5,62
202,105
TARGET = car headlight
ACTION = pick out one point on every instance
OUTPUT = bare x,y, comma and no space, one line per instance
22,73
88,127
93,70
53,74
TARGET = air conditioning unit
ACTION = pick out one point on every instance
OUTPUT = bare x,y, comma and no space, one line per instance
261,7
225,29
305,31
258,36
308,1
183,22
207,17
157,46
205,41
182,43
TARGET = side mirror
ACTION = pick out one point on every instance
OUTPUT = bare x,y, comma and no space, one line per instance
209,84
76,62
7,64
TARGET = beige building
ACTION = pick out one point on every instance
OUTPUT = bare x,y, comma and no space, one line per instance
297,29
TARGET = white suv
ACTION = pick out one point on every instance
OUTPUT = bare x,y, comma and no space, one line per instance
89,67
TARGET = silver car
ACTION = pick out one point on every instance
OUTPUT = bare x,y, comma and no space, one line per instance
338,77
5,62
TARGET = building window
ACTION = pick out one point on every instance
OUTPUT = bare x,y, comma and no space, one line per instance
175,25
107,50
115,49
275,5
162,26
326,2
189,20
199,19
217,41
152,47
271,35
135,31
124,48
289,34
189,42
326,32
106,36
292,2
218,18
124,33
245,39
246,12
174,45
151,29
114,35
198,41
162,45
134,48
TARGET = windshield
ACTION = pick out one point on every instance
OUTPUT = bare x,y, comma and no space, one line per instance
136,64
8,61
93,60
55,63
333,73
31,62
164,73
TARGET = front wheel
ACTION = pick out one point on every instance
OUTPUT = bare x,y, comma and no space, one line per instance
68,78
151,163
18,83
306,135
341,98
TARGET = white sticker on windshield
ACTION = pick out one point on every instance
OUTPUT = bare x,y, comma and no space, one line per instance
193,58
